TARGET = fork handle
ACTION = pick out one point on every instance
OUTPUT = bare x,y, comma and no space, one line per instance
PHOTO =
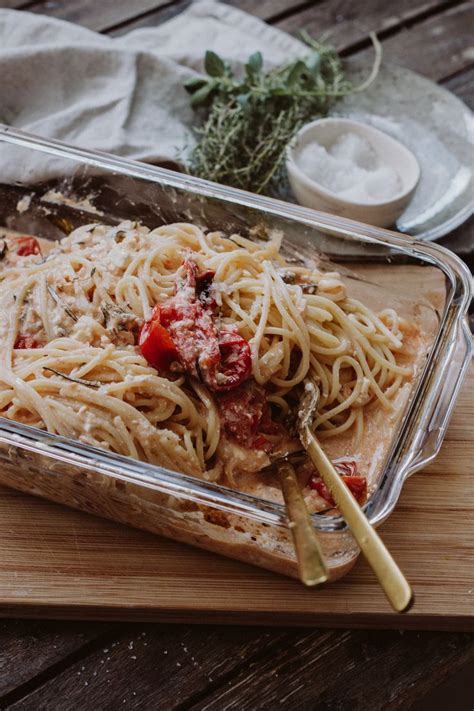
311,567
390,576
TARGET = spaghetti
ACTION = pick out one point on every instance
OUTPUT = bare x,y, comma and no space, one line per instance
177,346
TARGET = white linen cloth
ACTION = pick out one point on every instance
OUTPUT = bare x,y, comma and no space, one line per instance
123,95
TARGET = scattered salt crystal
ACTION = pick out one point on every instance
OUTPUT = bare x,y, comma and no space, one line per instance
350,168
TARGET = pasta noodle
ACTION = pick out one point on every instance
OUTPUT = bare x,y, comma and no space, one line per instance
70,362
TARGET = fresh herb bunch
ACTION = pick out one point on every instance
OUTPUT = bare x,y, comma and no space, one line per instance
251,119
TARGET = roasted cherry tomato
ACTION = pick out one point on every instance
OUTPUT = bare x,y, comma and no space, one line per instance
356,484
27,245
27,342
241,412
220,359
156,344
236,362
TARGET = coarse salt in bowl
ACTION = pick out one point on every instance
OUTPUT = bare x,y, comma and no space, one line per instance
350,169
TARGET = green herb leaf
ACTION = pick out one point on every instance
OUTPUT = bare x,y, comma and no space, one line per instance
313,63
296,73
194,84
243,99
214,65
202,95
279,91
251,120
254,65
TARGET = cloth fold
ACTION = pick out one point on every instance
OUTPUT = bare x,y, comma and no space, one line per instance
122,95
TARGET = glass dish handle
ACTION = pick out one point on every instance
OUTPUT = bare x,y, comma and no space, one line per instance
452,371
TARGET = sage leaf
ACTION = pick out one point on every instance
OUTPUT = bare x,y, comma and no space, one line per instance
194,84
213,64
202,95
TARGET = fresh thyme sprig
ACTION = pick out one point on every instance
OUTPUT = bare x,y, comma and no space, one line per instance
251,119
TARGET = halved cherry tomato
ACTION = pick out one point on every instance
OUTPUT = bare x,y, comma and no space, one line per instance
357,485
241,412
156,344
235,365
221,359
27,245
27,342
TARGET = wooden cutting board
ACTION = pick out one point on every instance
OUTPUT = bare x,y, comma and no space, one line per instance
56,562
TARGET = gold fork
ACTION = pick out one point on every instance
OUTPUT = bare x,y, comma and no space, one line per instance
389,575
311,566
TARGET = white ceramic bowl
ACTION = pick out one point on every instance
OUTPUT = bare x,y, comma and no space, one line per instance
310,193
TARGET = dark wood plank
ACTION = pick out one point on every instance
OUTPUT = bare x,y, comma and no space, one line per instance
125,16
456,693
178,667
347,23
151,19
270,9
357,670
95,15
13,4
157,666
28,649
438,48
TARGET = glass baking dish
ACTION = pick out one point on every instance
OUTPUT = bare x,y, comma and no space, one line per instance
48,188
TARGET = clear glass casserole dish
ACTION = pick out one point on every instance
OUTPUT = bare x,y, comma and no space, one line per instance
47,188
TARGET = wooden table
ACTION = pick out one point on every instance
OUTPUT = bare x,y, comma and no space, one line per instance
66,665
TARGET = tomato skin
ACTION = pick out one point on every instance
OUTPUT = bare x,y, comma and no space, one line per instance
27,245
219,358
156,344
241,412
346,467
23,342
235,365
357,485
